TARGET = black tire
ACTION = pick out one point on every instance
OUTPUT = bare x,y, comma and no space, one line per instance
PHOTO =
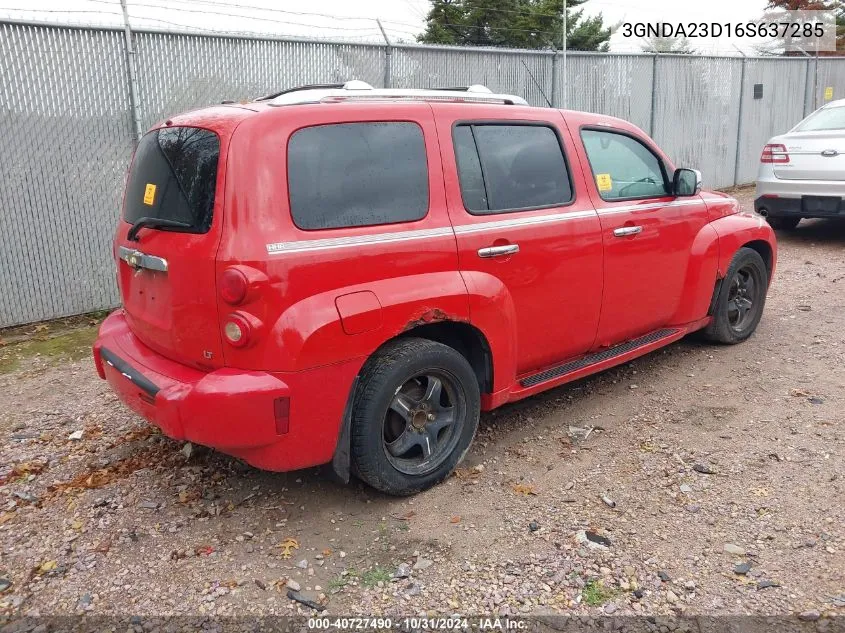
395,408
783,223
739,306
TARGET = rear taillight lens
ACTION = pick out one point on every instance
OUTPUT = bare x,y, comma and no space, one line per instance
774,153
237,330
233,286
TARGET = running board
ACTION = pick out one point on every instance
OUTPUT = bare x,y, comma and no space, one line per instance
598,357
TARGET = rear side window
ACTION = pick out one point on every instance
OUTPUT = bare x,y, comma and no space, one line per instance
510,167
624,168
357,174
173,177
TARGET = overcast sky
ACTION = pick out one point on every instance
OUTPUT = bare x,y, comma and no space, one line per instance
355,21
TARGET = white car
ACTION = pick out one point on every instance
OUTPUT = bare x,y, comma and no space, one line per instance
802,172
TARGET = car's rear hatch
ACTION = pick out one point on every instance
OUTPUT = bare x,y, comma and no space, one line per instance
816,148
167,273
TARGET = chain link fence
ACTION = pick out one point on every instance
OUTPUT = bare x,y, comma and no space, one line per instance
67,131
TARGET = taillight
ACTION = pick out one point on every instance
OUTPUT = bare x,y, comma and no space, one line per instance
774,153
237,330
233,286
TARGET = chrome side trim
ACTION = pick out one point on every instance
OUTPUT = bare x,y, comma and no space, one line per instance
526,221
299,246
136,259
357,240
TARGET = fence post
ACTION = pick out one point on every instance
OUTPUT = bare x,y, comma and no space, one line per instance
739,122
554,79
388,54
129,49
653,94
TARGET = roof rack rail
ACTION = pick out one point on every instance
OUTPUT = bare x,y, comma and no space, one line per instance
297,89
360,90
472,88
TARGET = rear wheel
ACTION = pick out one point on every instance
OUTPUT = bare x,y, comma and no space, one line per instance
414,416
783,223
741,299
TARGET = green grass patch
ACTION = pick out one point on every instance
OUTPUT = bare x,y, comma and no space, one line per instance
596,594
71,345
374,576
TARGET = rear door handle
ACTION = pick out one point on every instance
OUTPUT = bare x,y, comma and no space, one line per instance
498,251
624,231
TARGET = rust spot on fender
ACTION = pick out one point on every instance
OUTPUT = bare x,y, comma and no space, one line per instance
434,315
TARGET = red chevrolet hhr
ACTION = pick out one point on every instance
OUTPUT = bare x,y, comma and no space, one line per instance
345,274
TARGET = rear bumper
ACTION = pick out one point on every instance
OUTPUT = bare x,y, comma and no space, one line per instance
778,197
231,410
770,205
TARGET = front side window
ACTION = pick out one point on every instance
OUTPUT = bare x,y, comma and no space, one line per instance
173,177
623,167
505,167
357,174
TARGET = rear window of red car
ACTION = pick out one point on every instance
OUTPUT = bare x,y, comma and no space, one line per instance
357,174
173,177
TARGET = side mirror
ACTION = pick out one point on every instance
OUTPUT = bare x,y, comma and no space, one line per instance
686,182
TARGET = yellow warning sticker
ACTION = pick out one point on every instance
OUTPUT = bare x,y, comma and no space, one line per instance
828,93
149,194
603,182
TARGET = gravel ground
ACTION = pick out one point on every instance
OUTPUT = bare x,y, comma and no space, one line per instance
696,480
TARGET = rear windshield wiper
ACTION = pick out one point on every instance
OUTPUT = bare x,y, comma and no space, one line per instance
153,223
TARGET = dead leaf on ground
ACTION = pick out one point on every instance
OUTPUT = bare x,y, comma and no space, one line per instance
327,552
799,393
288,545
113,472
47,566
203,550
455,519
23,469
523,489
466,473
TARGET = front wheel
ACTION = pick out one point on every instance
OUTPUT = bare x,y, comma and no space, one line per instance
741,299
783,223
414,415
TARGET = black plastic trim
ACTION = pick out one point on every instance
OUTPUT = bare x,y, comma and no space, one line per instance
592,359
129,372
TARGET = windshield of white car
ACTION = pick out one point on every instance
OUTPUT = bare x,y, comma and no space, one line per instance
827,119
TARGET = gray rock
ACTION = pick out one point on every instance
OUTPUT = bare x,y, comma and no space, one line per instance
423,563
188,450
809,616
610,608
664,576
403,571
671,597
765,584
533,526
293,585
686,489
149,505
414,589
742,568
5,583
76,436
303,564
736,550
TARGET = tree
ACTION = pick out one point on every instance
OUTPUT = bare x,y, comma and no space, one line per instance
673,45
815,5
513,23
